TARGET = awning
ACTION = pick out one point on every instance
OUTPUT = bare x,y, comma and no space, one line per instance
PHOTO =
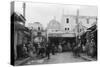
17,17
18,26
92,28
61,35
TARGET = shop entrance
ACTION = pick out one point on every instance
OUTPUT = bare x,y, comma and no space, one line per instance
65,42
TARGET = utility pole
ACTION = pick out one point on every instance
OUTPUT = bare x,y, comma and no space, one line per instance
88,20
24,6
47,34
24,9
77,22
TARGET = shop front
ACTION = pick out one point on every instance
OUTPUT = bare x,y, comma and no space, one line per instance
66,40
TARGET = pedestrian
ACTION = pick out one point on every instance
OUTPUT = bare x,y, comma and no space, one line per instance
73,47
83,48
30,49
59,48
91,48
25,53
48,50
53,49
77,49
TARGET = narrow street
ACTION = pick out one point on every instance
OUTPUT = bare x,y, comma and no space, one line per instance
57,58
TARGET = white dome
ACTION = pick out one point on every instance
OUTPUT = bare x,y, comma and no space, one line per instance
53,24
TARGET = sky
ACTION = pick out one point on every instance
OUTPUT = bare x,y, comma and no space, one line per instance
44,12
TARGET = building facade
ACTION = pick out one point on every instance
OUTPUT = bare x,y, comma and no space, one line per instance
69,28
37,32
20,35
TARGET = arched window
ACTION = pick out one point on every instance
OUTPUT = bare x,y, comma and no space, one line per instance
67,20
38,28
65,28
68,28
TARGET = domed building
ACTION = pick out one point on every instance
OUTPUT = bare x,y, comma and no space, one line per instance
53,26
38,32
37,26
54,31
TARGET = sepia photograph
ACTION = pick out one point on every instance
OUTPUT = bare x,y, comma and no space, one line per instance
51,33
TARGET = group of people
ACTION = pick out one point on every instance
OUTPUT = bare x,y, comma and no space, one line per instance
44,50
40,50
88,48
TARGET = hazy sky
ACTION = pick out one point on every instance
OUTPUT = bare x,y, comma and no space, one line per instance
43,13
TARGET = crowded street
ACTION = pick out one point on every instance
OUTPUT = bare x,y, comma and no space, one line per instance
68,39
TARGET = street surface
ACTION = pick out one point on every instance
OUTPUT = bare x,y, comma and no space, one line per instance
57,58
